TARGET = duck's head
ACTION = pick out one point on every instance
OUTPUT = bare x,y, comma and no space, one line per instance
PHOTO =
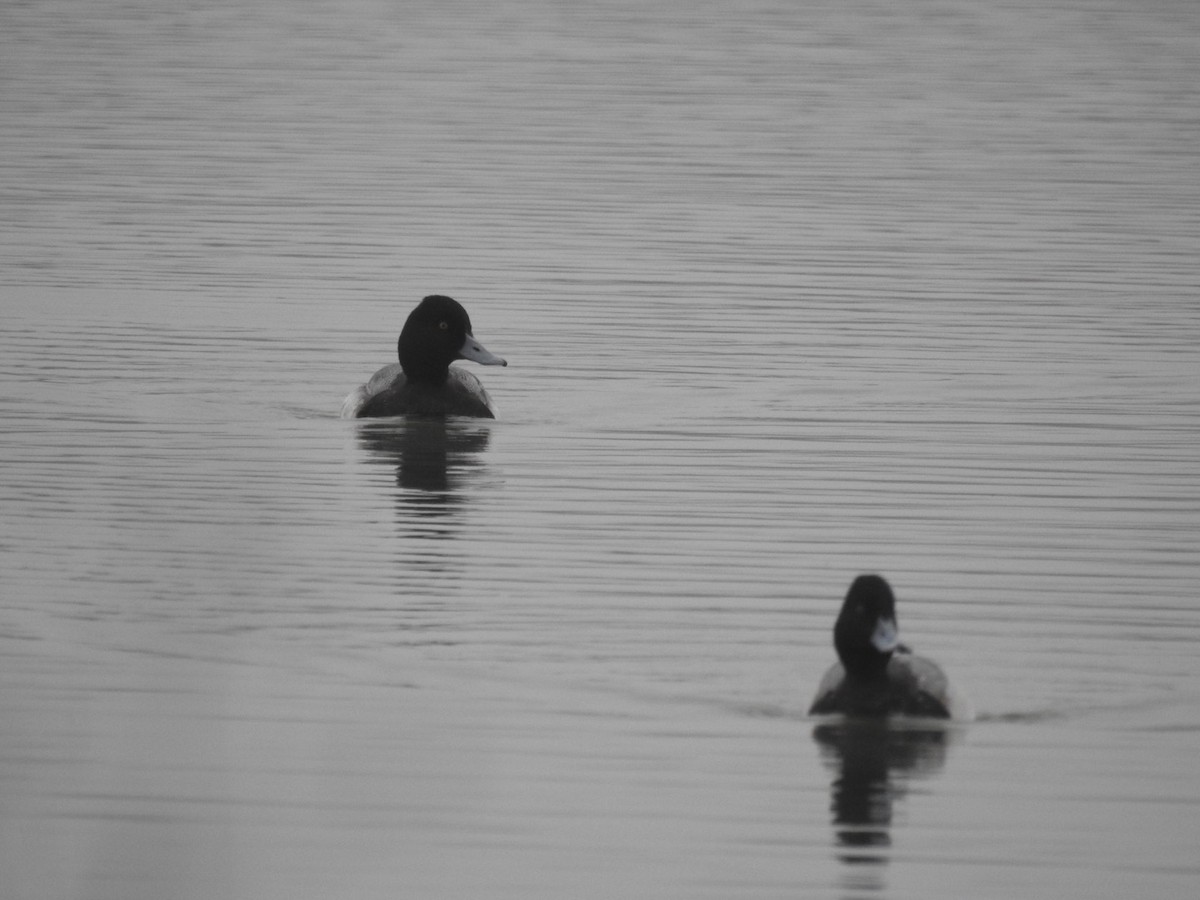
866,633
437,333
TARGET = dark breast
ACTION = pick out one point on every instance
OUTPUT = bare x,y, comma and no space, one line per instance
454,398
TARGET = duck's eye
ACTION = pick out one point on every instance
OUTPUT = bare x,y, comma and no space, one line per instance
443,325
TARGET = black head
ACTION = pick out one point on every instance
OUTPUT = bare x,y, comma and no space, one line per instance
438,332
865,634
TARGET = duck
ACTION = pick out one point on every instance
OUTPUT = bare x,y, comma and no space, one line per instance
877,676
437,332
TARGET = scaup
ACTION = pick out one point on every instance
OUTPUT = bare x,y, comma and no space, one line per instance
436,333
878,676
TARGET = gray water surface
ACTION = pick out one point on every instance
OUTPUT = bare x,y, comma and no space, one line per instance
789,292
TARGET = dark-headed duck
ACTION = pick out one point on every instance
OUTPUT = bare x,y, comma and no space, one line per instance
436,333
877,675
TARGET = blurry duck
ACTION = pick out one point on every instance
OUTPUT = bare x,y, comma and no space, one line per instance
878,676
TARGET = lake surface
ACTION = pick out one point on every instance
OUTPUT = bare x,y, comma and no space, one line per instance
788,291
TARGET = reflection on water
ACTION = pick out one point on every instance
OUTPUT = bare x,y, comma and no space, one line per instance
872,762
433,458
436,462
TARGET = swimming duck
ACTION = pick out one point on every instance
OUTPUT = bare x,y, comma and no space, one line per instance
436,333
877,675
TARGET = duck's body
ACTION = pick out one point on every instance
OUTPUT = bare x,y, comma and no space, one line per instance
390,393
437,333
912,686
877,676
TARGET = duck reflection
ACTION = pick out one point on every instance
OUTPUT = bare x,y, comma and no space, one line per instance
873,761
434,460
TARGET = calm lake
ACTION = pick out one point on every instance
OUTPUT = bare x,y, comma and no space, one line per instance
789,292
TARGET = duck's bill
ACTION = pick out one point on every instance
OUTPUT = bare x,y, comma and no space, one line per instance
886,637
473,350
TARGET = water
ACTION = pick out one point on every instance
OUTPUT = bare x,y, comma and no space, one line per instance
789,292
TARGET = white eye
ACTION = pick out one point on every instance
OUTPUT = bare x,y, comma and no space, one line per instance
443,325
